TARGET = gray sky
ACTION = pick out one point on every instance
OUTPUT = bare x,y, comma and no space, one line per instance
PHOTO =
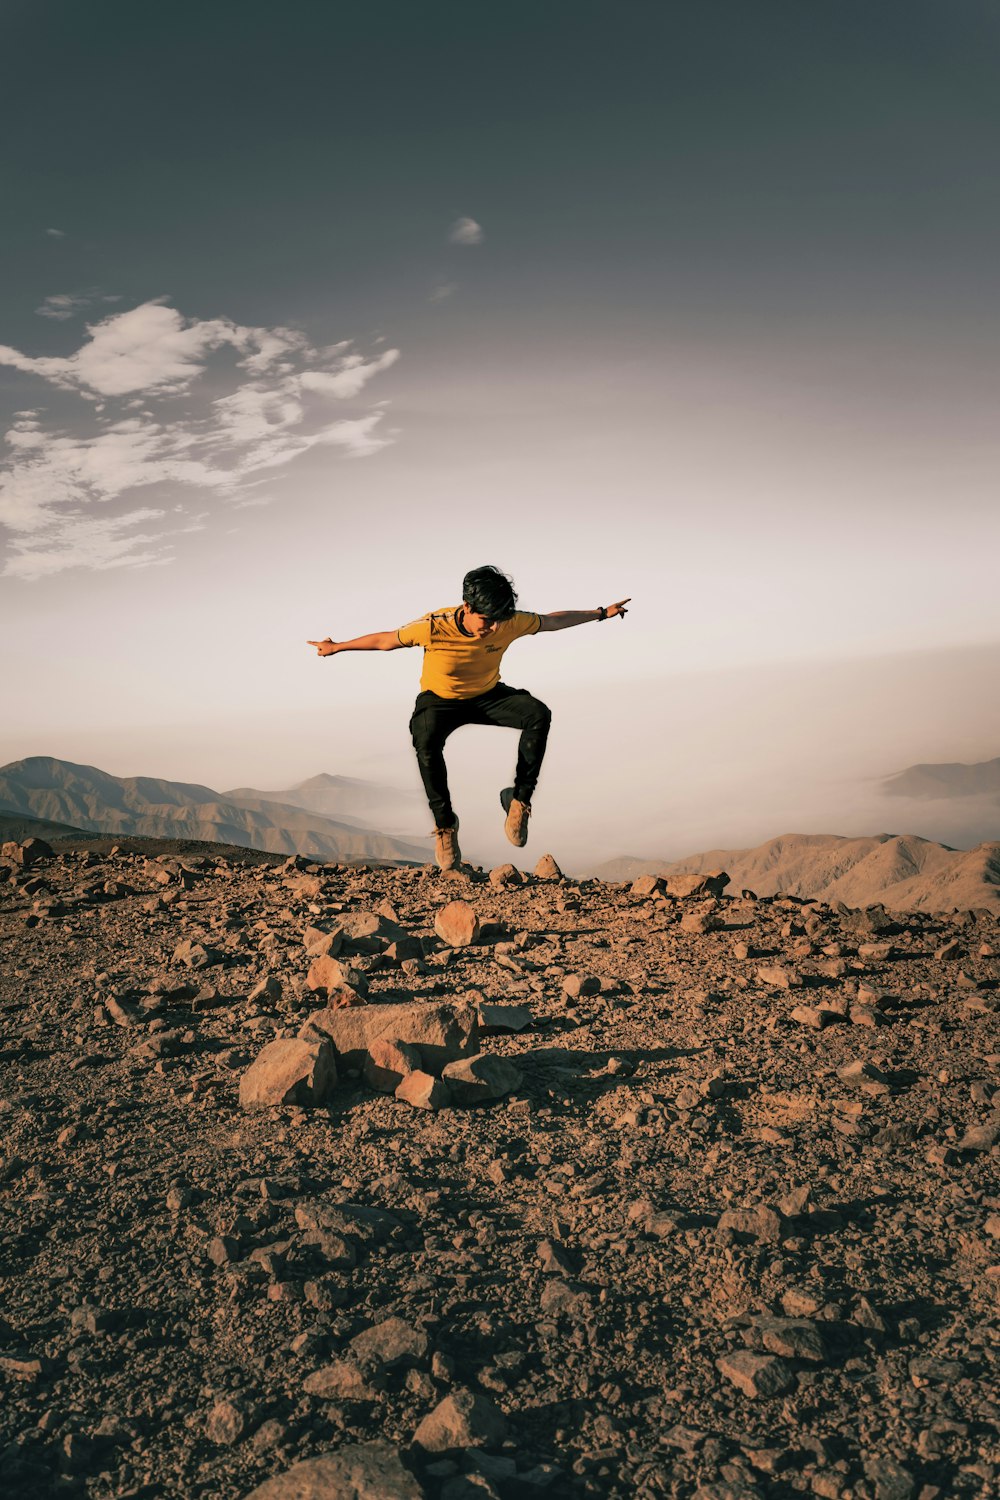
310,309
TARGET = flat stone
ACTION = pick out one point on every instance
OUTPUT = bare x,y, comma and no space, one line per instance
391,1343
779,977
342,1380
795,1338
760,1223
756,1375
499,1020
477,1080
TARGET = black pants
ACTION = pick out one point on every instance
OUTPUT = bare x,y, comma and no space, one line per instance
434,719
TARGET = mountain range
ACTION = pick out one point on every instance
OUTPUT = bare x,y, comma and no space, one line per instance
366,804
50,798
897,870
948,779
87,798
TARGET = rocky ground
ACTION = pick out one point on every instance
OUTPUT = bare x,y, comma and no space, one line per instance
730,1231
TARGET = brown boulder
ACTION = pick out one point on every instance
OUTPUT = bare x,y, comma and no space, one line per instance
423,1091
457,924
478,1080
358,1471
327,974
440,1032
547,869
289,1071
711,883
320,944
647,885
387,1062
462,1420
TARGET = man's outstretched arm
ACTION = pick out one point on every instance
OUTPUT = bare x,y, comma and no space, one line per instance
563,619
380,640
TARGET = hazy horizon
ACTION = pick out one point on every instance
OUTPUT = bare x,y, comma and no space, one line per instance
694,305
728,759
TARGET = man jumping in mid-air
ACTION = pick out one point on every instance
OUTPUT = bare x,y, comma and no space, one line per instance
463,647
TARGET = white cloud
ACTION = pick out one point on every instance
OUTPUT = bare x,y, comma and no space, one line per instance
442,292
56,234
170,435
63,305
466,231
354,373
98,542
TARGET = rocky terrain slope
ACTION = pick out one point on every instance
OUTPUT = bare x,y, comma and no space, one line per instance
902,872
43,787
577,1189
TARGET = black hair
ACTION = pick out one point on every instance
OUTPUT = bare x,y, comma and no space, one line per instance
489,592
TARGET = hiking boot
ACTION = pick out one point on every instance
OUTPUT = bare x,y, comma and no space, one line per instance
447,854
518,813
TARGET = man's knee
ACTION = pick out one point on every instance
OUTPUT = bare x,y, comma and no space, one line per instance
538,715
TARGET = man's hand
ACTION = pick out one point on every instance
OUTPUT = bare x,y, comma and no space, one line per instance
325,647
619,608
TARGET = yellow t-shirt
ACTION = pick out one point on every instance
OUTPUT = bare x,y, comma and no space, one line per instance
457,665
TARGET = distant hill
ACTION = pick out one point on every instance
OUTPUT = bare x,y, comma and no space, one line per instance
19,826
900,871
58,791
349,800
950,779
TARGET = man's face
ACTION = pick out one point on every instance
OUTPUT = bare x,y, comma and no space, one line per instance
478,625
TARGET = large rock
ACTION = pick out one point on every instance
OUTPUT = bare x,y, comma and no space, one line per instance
369,931
27,853
343,1380
289,1071
329,976
647,885
500,1020
321,944
457,924
547,869
360,1471
441,1033
391,1343
388,1062
462,1420
423,1091
477,1080
711,883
